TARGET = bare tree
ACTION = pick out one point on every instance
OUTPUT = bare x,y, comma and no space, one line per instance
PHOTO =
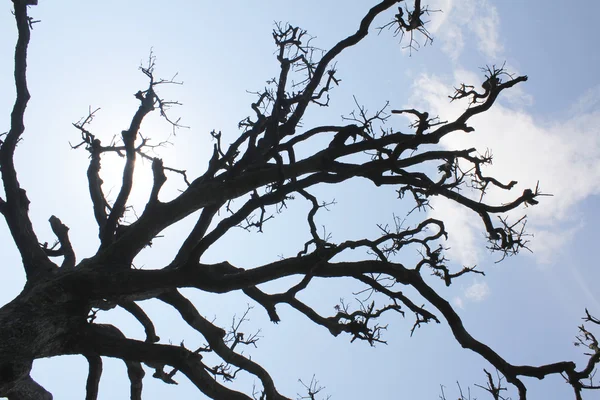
262,170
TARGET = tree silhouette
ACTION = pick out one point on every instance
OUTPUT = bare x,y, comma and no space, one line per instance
243,184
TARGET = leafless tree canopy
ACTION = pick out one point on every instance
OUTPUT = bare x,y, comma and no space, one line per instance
261,170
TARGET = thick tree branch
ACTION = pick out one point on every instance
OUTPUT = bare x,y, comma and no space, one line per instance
3,209
189,248
158,172
100,339
94,375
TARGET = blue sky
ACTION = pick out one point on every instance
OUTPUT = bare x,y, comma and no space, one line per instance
527,308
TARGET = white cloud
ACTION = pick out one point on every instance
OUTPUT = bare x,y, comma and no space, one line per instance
453,42
547,242
486,27
441,9
463,243
477,17
477,292
563,156
516,96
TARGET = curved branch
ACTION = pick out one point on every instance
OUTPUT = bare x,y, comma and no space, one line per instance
467,341
143,318
461,122
290,126
16,207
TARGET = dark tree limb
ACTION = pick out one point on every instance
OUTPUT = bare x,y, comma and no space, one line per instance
214,336
16,207
135,372
62,233
189,249
28,389
101,339
2,206
147,102
143,318
94,375
94,147
328,57
158,172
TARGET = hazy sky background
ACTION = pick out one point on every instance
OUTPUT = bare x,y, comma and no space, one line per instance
86,53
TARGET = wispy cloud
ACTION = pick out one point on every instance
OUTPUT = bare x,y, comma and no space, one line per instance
587,103
466,248
475,293
486,27
459,17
